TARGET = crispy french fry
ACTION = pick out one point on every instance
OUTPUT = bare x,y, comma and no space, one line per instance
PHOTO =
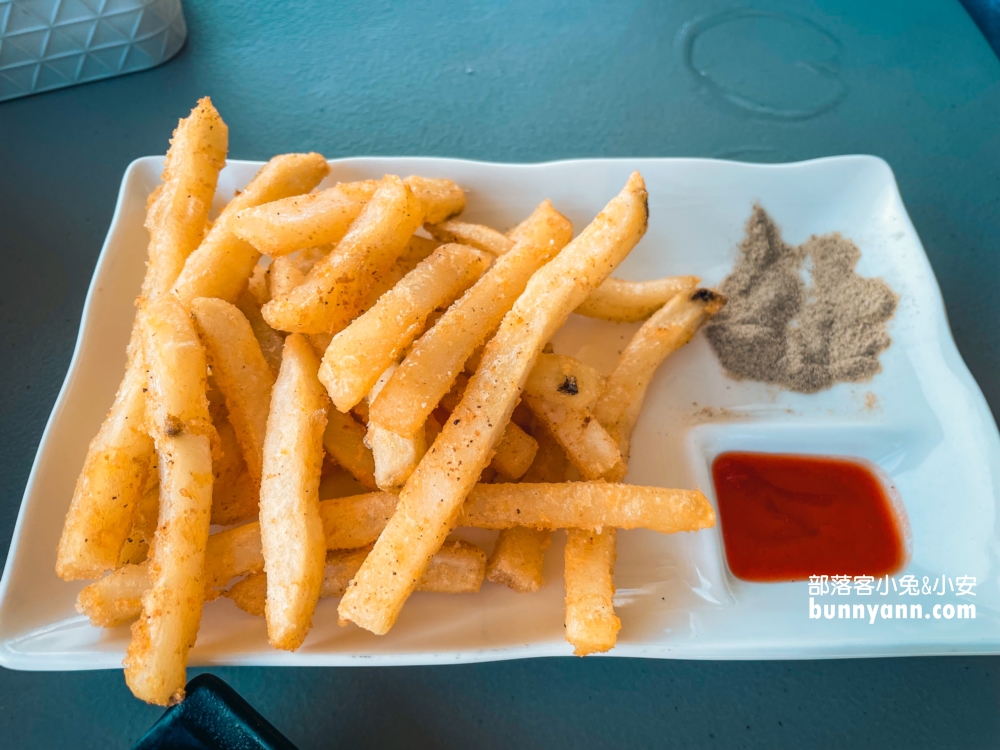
271,342
118,458
441,199
240,372
357,521
518,557
323,218
178,419
338,286
178,209
116,598
630,301
144,519
435,361
664,333
516,449
417,249
474,235
234,492
289,271
519,553
591,623
291,530
222,264
259,283
561,391
343,441
395,456
358,355
514,453
431,500
457,568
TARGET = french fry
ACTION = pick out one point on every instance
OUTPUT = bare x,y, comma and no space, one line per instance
240,372
116,598
432,498
270,341
591,623
178,209
518,557
178,419
430,369
222,264
343,441
516,449
359,354
118,458
514,453
259,283
630,301
144,519
417,249
561,391
395,456
338,286
289,271
669,329
457,568
290,526
474,235
519,553
357,521
323,218
234,491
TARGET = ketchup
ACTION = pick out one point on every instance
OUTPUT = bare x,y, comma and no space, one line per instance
785,518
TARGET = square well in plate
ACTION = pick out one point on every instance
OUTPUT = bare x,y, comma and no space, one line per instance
922,421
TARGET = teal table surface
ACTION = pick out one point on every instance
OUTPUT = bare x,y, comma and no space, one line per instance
756,80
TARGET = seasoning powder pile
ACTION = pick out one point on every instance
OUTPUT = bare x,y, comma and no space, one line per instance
778,329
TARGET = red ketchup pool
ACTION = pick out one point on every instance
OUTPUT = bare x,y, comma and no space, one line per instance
785,518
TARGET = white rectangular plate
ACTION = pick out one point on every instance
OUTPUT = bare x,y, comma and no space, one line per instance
922,420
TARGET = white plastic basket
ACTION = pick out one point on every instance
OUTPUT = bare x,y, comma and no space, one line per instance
48,44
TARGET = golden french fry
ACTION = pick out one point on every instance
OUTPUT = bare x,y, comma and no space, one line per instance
240,372
290,526
630,301
116,598
289,271
431,500
178,209
431,368
518,557
591,623
395,456
323,218
474,235
259,283
664,333
519,553
357,521
338,286
516,449
457,568
343,441
514,453
178,419
318,219
441,199
118,458
271,342
561,391
144,519
417,249
359,354
234,491
222,264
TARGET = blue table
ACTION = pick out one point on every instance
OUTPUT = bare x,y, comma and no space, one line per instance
913,82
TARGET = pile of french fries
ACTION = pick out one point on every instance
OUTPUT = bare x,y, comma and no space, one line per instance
362,336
